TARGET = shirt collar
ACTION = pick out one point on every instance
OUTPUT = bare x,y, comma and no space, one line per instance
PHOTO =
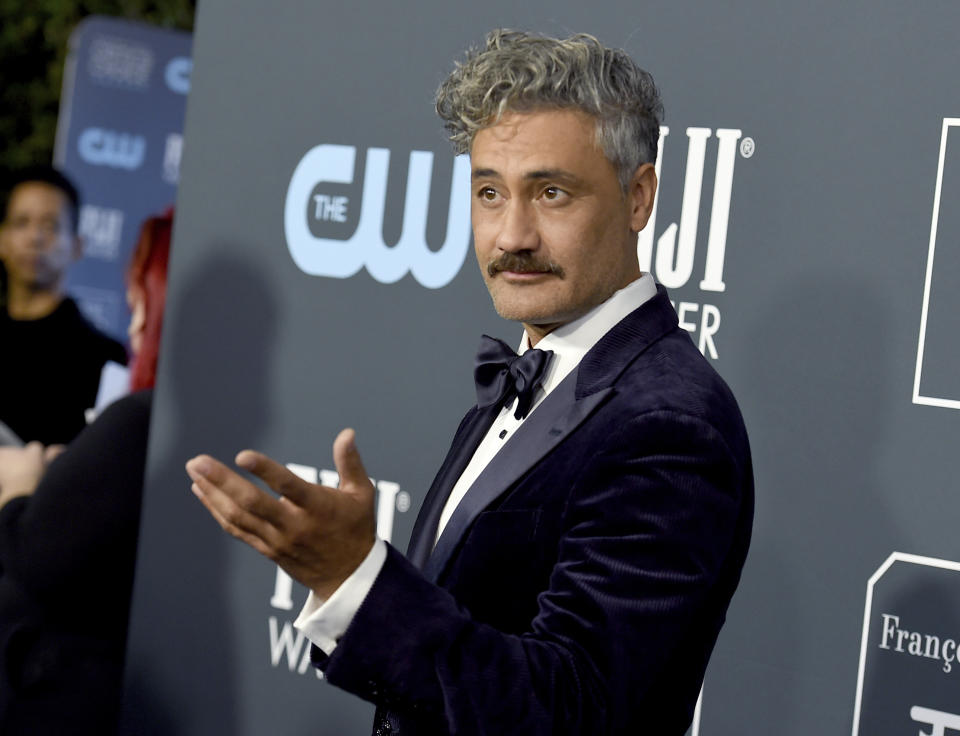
570,342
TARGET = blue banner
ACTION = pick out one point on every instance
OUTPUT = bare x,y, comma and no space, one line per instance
120,139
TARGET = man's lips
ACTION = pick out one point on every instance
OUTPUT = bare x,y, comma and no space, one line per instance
523,275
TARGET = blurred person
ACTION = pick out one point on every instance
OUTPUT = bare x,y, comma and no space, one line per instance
68,534
53,356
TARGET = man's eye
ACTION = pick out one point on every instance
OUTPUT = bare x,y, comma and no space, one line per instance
553,193
488,194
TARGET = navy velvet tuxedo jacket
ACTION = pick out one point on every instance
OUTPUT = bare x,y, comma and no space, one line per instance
581,584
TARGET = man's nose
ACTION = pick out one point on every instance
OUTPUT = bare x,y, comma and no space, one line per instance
518,228
39,234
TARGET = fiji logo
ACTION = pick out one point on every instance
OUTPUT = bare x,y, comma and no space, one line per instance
101,147
676,246
342,257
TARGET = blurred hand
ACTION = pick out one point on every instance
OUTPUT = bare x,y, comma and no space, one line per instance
22,467
318,535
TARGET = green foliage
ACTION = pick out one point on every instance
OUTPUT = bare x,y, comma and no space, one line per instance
33,46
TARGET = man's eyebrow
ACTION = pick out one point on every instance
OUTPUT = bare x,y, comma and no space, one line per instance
551,174
560,174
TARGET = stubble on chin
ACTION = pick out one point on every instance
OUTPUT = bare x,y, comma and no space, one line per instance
529,304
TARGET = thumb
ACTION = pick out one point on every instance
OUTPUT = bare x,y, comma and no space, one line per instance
347,460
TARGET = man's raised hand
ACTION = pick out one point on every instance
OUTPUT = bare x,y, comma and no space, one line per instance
318,535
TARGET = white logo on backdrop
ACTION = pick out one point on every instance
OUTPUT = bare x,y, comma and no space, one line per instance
948,403
334,164
285,641
172,153
118,62
898,640
939,719
101,147
177,74
676,246
101,229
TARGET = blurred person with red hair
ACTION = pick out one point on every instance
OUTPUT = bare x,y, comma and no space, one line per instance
147,296
68,535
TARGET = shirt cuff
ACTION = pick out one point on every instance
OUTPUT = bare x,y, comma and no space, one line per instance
323,622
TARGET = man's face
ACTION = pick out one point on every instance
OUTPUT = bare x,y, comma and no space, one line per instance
36,240
554,234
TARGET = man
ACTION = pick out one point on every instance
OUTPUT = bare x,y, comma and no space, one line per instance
574,558
52,356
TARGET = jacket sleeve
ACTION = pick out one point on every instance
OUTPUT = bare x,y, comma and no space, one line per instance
652,542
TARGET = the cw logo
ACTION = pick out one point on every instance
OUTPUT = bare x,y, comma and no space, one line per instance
343,258
177,74
102,147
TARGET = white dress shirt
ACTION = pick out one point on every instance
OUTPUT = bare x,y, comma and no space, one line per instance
323,622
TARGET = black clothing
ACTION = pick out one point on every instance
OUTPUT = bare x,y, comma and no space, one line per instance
66,574
50,372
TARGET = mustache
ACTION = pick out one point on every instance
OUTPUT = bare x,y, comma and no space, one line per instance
523,262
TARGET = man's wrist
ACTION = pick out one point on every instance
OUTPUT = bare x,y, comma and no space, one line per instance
327,588
325,620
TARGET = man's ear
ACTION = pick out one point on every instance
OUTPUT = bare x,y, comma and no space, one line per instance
641,195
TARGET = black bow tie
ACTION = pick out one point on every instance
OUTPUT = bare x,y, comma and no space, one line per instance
501,374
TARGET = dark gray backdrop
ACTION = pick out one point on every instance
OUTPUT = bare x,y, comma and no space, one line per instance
824,274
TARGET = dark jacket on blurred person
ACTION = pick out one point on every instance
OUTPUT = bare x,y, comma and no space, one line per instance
50,372
67,556
67,552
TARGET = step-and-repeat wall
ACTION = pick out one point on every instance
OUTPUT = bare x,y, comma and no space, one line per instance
806,227
120,140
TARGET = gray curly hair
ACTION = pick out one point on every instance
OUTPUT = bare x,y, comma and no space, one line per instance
520,72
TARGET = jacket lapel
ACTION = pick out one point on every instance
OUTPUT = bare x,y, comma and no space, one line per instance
567,406
552,421
471,431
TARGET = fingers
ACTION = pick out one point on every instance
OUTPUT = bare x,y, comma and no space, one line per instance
238,505
318,535
346,458
228,526
275,475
